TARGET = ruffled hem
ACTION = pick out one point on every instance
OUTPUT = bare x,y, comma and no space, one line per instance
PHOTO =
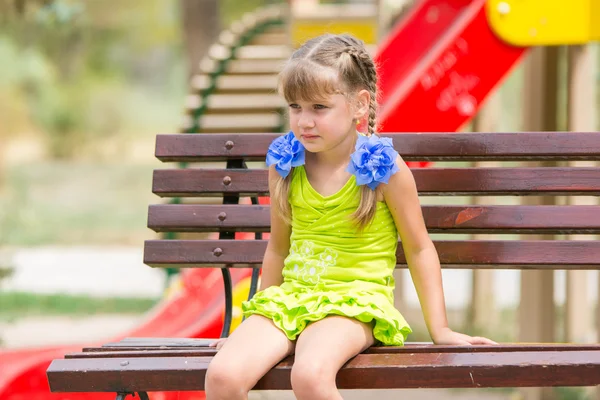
292,311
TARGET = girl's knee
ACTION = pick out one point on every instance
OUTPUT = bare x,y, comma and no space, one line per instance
224,382
313,379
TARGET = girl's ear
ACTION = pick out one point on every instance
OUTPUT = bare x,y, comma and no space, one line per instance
363,100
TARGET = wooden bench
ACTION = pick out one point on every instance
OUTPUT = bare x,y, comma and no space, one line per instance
140,365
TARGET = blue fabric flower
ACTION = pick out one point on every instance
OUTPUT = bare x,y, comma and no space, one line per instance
373,161
285,152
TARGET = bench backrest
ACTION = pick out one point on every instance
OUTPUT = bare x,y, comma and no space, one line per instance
221,168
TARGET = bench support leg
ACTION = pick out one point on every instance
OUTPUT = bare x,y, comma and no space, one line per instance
255,271
123,395
229,199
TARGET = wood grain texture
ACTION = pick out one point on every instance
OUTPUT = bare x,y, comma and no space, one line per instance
430,181
522,146
382,371
159,348
438,219
508,254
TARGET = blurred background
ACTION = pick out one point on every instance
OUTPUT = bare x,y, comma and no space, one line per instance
85,87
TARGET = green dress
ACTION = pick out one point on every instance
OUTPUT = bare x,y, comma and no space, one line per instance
331,269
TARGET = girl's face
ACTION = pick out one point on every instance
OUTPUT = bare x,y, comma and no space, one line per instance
324,124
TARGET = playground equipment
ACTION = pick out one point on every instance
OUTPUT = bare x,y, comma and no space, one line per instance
545,22
437,66
235,87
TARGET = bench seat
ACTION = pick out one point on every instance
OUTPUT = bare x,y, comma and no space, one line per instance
150,364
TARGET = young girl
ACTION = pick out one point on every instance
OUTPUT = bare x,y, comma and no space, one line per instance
339,200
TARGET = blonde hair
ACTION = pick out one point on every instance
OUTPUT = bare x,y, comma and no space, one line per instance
308,76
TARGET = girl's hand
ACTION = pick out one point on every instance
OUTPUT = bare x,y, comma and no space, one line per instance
449,337
218,343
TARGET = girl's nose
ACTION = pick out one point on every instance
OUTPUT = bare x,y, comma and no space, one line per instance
305,122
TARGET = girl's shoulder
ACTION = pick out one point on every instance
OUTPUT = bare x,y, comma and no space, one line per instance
373,161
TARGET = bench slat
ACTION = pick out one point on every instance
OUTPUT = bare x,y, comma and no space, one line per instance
382,371
155,341
523,146
124,350
509,254
438,219
431,181
176,342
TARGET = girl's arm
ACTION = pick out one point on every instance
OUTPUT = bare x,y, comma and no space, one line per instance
402,199
279,242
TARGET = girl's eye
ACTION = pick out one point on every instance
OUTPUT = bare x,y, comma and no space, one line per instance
295,106
320,107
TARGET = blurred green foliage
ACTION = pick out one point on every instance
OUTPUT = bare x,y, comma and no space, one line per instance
232,10
17,305
77,72
92,81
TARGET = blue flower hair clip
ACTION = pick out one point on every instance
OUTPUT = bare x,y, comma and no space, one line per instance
374,161
285,152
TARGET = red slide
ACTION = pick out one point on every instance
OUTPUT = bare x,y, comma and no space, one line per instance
196,310
437,66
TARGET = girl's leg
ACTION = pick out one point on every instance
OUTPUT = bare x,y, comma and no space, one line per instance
250,352
321,350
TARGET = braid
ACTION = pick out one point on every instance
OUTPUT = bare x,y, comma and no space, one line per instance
309,68
365,212
369,74
372,85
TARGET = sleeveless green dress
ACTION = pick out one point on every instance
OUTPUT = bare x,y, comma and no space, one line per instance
332,269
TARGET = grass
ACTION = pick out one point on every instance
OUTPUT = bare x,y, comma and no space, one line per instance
560,393
17,305
76,203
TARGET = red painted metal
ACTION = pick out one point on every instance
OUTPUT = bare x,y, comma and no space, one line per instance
443,82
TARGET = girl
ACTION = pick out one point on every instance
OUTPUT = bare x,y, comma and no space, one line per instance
339,201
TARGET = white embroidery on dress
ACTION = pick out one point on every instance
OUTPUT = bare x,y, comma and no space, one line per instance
313,270
294,248
307,268
329,257
296,257
307,248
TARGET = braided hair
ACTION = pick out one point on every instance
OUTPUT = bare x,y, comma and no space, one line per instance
315,71
312,64
362,59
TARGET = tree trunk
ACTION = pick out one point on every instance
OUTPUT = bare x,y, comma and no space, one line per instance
201,26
